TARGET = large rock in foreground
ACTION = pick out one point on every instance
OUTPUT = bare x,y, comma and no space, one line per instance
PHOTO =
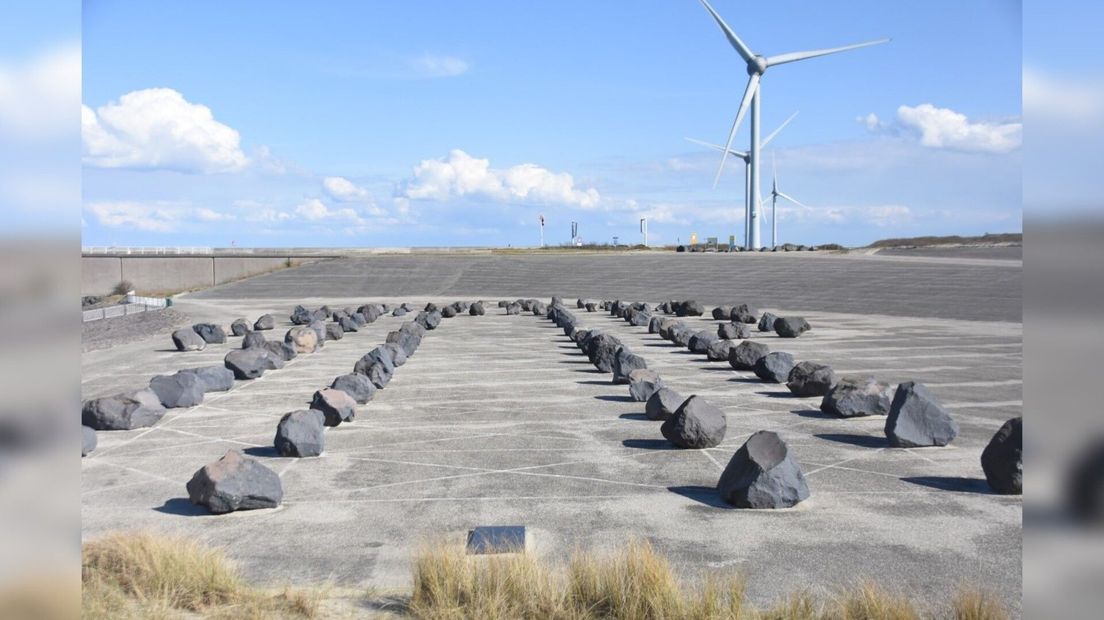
186,339
747,354
336,405
643,383
916,419
696,424
857,396
791,326
210,333
300,433
774,367
123,412
663,404
235,482
762,474
1002,459
356,385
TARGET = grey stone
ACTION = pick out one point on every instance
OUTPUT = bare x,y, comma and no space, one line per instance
123,412
513,309
1002,459
88,440
302,338
643,383
700,342
356,385
733,331
336,405
640,318
182,389
301,316
400,311
334,331
916,419
857,396
719,350
663,404
744,314
722,313
213,378
235,482
696,424
239,327
476,309
747,354
187,339
300,433
407,340
448,312
503,303
429,319
580,304
264,322
624,362
247,363
665,327
774,367
681,335
398,354
380,375
763,474
811,379
791,326
653,324
690,308
602,351
378,355
359,319
210,333
370,312
253,340
766,322
592,307
319,328
348,324
281,350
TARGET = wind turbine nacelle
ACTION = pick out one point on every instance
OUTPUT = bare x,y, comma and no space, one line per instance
757,65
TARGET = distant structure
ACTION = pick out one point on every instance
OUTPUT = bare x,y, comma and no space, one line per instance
756,66
774,196
746,156
644,229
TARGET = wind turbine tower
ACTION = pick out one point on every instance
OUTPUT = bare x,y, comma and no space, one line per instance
757,65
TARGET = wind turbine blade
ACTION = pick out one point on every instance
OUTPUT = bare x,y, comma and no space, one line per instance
776,131
718,147
752,87
791,199
782,59
734,40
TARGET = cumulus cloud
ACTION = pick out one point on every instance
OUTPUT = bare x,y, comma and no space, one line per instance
344,190
149,217
158,128
943,128
461,175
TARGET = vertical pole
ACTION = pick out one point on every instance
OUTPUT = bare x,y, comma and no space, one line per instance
747,206
755,244
774,221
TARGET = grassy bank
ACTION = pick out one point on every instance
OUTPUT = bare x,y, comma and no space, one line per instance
143,576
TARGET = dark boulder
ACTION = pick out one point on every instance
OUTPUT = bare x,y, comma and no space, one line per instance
690,308
701,341
663,404
857,396
428,319
719,350
319,328
301,316
602,351
476,309
280,350
264,322
643,383
791,326
356,385
300,433
916,419
624,362
766,322
187,339
348,324
774,367
210,333
334,331
722,313
213,378
811,379
88,440
763,474
1002,459
235,482
398,354
239,327
378,355
747,354
247,363
697,424
744,314
182,389
123,412
254,340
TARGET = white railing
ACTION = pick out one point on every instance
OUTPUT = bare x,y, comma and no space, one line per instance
108,312
174,251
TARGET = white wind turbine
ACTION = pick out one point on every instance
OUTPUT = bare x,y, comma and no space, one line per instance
746,156
756,67
774,196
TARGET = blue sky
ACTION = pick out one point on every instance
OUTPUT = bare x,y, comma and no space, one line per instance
440,123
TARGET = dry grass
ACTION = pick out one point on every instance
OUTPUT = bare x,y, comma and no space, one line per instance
146,576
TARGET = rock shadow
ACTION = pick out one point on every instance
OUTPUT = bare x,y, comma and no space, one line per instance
952,483
863,441
703,495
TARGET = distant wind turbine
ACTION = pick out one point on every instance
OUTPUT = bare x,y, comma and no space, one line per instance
744,155
774,196
756,66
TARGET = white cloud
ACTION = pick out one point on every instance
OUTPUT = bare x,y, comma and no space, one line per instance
312,209
1068,99
158,128
344,190
433,65
462,175
945,128
150,217
38,96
